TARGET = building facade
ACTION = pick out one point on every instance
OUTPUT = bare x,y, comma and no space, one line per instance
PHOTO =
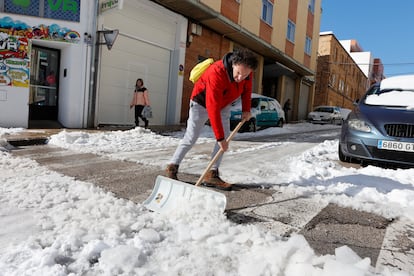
76,62
284,34
340,81
44,61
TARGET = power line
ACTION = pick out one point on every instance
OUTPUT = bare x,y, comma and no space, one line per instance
374,63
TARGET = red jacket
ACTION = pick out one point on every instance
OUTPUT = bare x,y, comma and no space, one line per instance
216,89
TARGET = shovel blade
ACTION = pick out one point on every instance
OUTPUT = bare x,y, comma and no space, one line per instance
168,194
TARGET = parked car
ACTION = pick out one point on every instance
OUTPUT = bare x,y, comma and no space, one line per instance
381,128
325,115
344,113
266,112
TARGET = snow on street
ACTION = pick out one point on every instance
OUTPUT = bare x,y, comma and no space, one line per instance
56,225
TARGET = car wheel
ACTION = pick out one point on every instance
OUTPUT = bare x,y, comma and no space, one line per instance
280,123
342,156
251,125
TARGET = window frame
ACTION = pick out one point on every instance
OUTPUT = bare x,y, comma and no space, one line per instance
267,12
308,46
311,6
332,80
291,30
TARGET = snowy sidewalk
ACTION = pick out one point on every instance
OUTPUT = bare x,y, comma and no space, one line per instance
56,209
325,227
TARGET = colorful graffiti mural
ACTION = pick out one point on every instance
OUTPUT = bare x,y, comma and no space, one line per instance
52,32
15,37
14,61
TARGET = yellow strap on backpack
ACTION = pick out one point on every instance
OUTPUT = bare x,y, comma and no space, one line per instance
199,69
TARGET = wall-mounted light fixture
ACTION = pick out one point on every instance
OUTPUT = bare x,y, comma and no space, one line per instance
109,37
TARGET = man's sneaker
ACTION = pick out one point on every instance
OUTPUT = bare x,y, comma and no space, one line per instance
171,171
212,179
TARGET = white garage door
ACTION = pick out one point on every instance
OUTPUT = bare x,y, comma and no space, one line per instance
143,49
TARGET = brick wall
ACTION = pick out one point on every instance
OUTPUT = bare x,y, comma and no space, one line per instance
209,44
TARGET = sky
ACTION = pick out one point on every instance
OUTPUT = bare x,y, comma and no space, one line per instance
52,224
381,27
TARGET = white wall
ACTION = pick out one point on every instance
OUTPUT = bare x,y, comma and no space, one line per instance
151,46
72,88
364,60
14,106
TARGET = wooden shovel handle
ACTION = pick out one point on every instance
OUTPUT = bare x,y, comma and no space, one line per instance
220,152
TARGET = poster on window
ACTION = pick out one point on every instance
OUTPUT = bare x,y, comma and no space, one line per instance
14,61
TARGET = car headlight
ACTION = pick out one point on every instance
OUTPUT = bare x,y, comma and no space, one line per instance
359,125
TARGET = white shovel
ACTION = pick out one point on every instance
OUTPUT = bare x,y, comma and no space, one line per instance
168,193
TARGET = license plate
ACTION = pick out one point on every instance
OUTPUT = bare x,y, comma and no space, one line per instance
397,146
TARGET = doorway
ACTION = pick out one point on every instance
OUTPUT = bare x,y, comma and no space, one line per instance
44,85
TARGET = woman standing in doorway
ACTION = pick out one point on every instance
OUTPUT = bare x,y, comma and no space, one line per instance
139,100
286,108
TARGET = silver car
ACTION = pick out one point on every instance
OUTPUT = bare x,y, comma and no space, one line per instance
325,115
381,128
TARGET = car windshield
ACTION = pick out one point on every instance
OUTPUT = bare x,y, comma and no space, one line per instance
237,105
396,97
324,109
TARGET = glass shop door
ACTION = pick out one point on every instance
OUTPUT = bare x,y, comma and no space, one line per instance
44,84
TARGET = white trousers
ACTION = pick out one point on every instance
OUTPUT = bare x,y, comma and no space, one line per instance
196,120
